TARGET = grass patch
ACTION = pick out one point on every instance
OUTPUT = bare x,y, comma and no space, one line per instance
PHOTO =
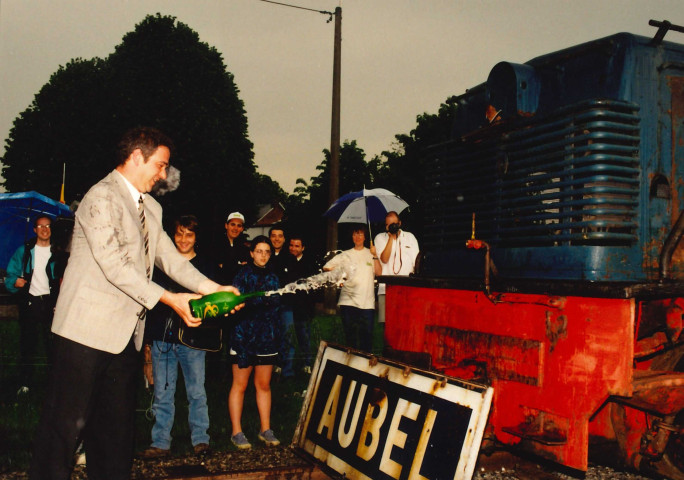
19,412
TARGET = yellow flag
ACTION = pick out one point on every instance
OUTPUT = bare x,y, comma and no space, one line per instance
61,194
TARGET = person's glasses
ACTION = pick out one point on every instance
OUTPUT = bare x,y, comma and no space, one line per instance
262,252
43,226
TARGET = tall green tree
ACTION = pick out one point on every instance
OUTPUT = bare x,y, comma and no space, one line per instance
64,125
402,169
306,207
164,76
160,75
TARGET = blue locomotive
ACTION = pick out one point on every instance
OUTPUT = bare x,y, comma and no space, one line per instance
553,264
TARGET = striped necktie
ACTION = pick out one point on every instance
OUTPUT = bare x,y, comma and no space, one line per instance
146,241
146,236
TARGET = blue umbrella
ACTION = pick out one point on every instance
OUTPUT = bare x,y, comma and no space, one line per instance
17,212
365,206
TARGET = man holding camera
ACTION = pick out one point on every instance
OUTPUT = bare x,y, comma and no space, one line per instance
398,252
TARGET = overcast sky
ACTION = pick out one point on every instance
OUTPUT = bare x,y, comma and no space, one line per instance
400,58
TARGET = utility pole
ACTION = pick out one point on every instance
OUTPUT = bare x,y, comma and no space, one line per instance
330,299
334,167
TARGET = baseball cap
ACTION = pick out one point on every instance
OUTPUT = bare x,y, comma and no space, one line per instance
235,215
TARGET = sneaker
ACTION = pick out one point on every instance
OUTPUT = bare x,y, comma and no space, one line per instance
269,438
240,441
307,370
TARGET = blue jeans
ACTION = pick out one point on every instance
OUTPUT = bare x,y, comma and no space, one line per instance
358,327
165,360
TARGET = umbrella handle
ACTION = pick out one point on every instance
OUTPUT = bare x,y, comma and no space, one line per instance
365,202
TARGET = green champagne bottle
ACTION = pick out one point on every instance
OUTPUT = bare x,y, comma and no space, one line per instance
219,303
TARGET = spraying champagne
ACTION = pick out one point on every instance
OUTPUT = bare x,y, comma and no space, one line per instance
219,303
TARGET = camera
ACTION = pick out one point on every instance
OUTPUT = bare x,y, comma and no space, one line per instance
393,228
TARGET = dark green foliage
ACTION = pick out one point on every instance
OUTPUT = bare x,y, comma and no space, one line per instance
65,124
161,75
164,76
310,201
402,171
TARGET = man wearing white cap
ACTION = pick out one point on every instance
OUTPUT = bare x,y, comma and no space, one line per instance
235,253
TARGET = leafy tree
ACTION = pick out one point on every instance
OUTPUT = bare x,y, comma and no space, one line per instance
269,191
161,75
402,169
306,207
61,127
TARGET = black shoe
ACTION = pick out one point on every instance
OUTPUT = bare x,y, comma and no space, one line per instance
153,452
202,449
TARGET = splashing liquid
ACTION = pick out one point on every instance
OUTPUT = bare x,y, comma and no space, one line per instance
221,303
344,270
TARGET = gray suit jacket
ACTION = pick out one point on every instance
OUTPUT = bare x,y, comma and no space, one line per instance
105,283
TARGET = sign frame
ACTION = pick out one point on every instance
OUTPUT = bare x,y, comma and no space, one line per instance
367,417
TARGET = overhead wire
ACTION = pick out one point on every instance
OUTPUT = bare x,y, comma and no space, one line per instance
324,12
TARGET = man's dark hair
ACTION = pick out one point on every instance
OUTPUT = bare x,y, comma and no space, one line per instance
187,221
35,220
260,239
276,227
147,139
298,236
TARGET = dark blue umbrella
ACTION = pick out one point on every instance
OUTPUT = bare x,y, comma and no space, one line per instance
365,206
17,212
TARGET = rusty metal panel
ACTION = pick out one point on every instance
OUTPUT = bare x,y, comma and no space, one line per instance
366,417
500,356
553,361
676,87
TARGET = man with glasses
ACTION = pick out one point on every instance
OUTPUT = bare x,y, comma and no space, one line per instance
397,252
31,275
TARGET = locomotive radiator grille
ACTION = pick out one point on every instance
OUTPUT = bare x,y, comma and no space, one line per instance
570,178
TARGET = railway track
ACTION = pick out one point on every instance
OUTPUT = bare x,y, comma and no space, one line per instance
283,463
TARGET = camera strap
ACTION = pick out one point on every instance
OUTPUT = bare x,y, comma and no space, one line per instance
394,260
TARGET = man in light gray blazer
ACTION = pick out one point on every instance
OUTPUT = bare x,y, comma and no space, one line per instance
100,314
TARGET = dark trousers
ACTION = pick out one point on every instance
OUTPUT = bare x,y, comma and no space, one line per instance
91,396
303,314
35,321
358,327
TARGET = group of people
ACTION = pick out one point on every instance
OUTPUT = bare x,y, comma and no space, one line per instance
126,288
258,338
